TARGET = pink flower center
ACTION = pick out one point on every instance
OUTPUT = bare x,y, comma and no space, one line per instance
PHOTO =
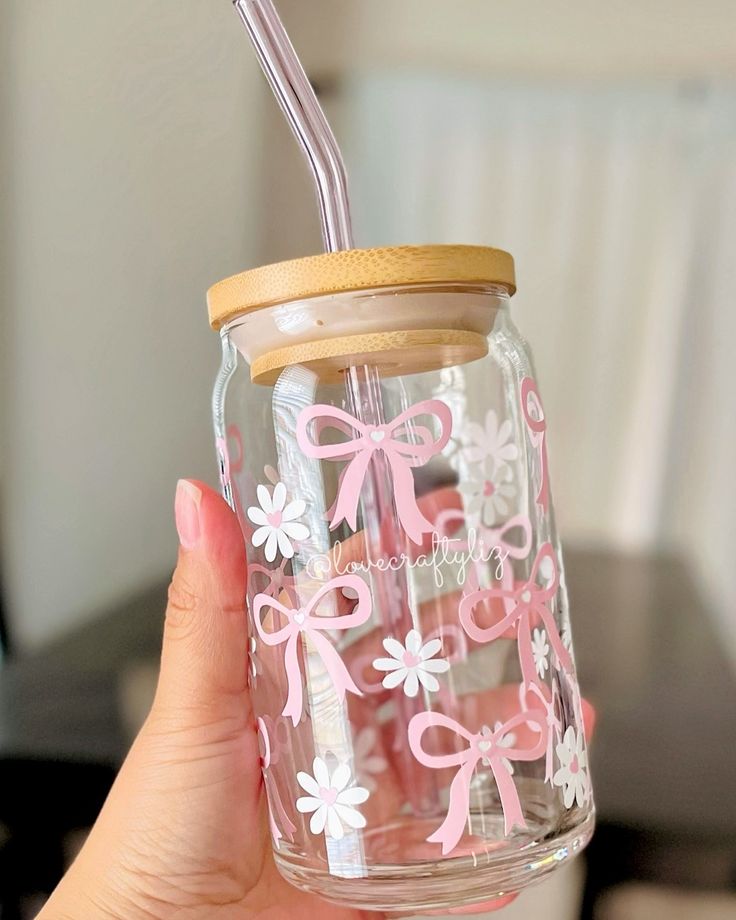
488,488
274,519
328,796
574,765
410,660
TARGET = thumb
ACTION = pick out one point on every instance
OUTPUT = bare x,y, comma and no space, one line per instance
189,791
204,657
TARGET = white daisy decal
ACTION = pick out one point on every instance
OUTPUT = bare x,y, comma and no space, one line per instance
277,522
490,442
412,663
505,741
330,798
572,775
488,494
367,763
540,650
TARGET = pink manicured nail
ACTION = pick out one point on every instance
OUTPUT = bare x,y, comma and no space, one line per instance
186,512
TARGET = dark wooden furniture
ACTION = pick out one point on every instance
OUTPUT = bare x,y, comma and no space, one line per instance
649,658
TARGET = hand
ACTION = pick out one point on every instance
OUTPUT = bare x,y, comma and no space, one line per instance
184,830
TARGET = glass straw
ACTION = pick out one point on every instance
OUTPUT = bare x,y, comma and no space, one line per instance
302,110
299,104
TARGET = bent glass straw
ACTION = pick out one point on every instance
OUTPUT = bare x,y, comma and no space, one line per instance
300,106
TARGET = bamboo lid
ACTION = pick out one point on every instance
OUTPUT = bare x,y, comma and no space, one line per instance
355,270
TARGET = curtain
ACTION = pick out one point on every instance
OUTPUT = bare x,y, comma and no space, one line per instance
618,203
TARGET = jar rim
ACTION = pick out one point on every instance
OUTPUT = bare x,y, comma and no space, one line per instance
355,270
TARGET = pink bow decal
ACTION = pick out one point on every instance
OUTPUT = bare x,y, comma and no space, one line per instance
459,648
522,604
496,536
531,406
450,520
278,580
494,749
302,620
553,722
400,455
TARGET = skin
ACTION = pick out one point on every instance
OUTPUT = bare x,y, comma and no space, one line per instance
184,830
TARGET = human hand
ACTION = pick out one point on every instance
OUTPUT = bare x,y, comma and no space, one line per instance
184,830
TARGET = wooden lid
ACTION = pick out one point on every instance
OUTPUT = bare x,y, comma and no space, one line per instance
395,353
355,270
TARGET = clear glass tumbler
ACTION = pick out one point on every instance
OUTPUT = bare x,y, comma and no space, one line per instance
382,439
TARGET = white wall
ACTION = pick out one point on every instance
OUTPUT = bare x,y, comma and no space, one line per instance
130,140
131,164
555,38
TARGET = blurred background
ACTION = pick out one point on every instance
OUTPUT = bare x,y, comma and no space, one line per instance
142,159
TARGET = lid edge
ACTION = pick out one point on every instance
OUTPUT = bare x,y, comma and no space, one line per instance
355,270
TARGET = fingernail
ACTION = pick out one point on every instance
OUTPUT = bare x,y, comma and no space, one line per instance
186,513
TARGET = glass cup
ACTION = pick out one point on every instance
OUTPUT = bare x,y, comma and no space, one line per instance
382,439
